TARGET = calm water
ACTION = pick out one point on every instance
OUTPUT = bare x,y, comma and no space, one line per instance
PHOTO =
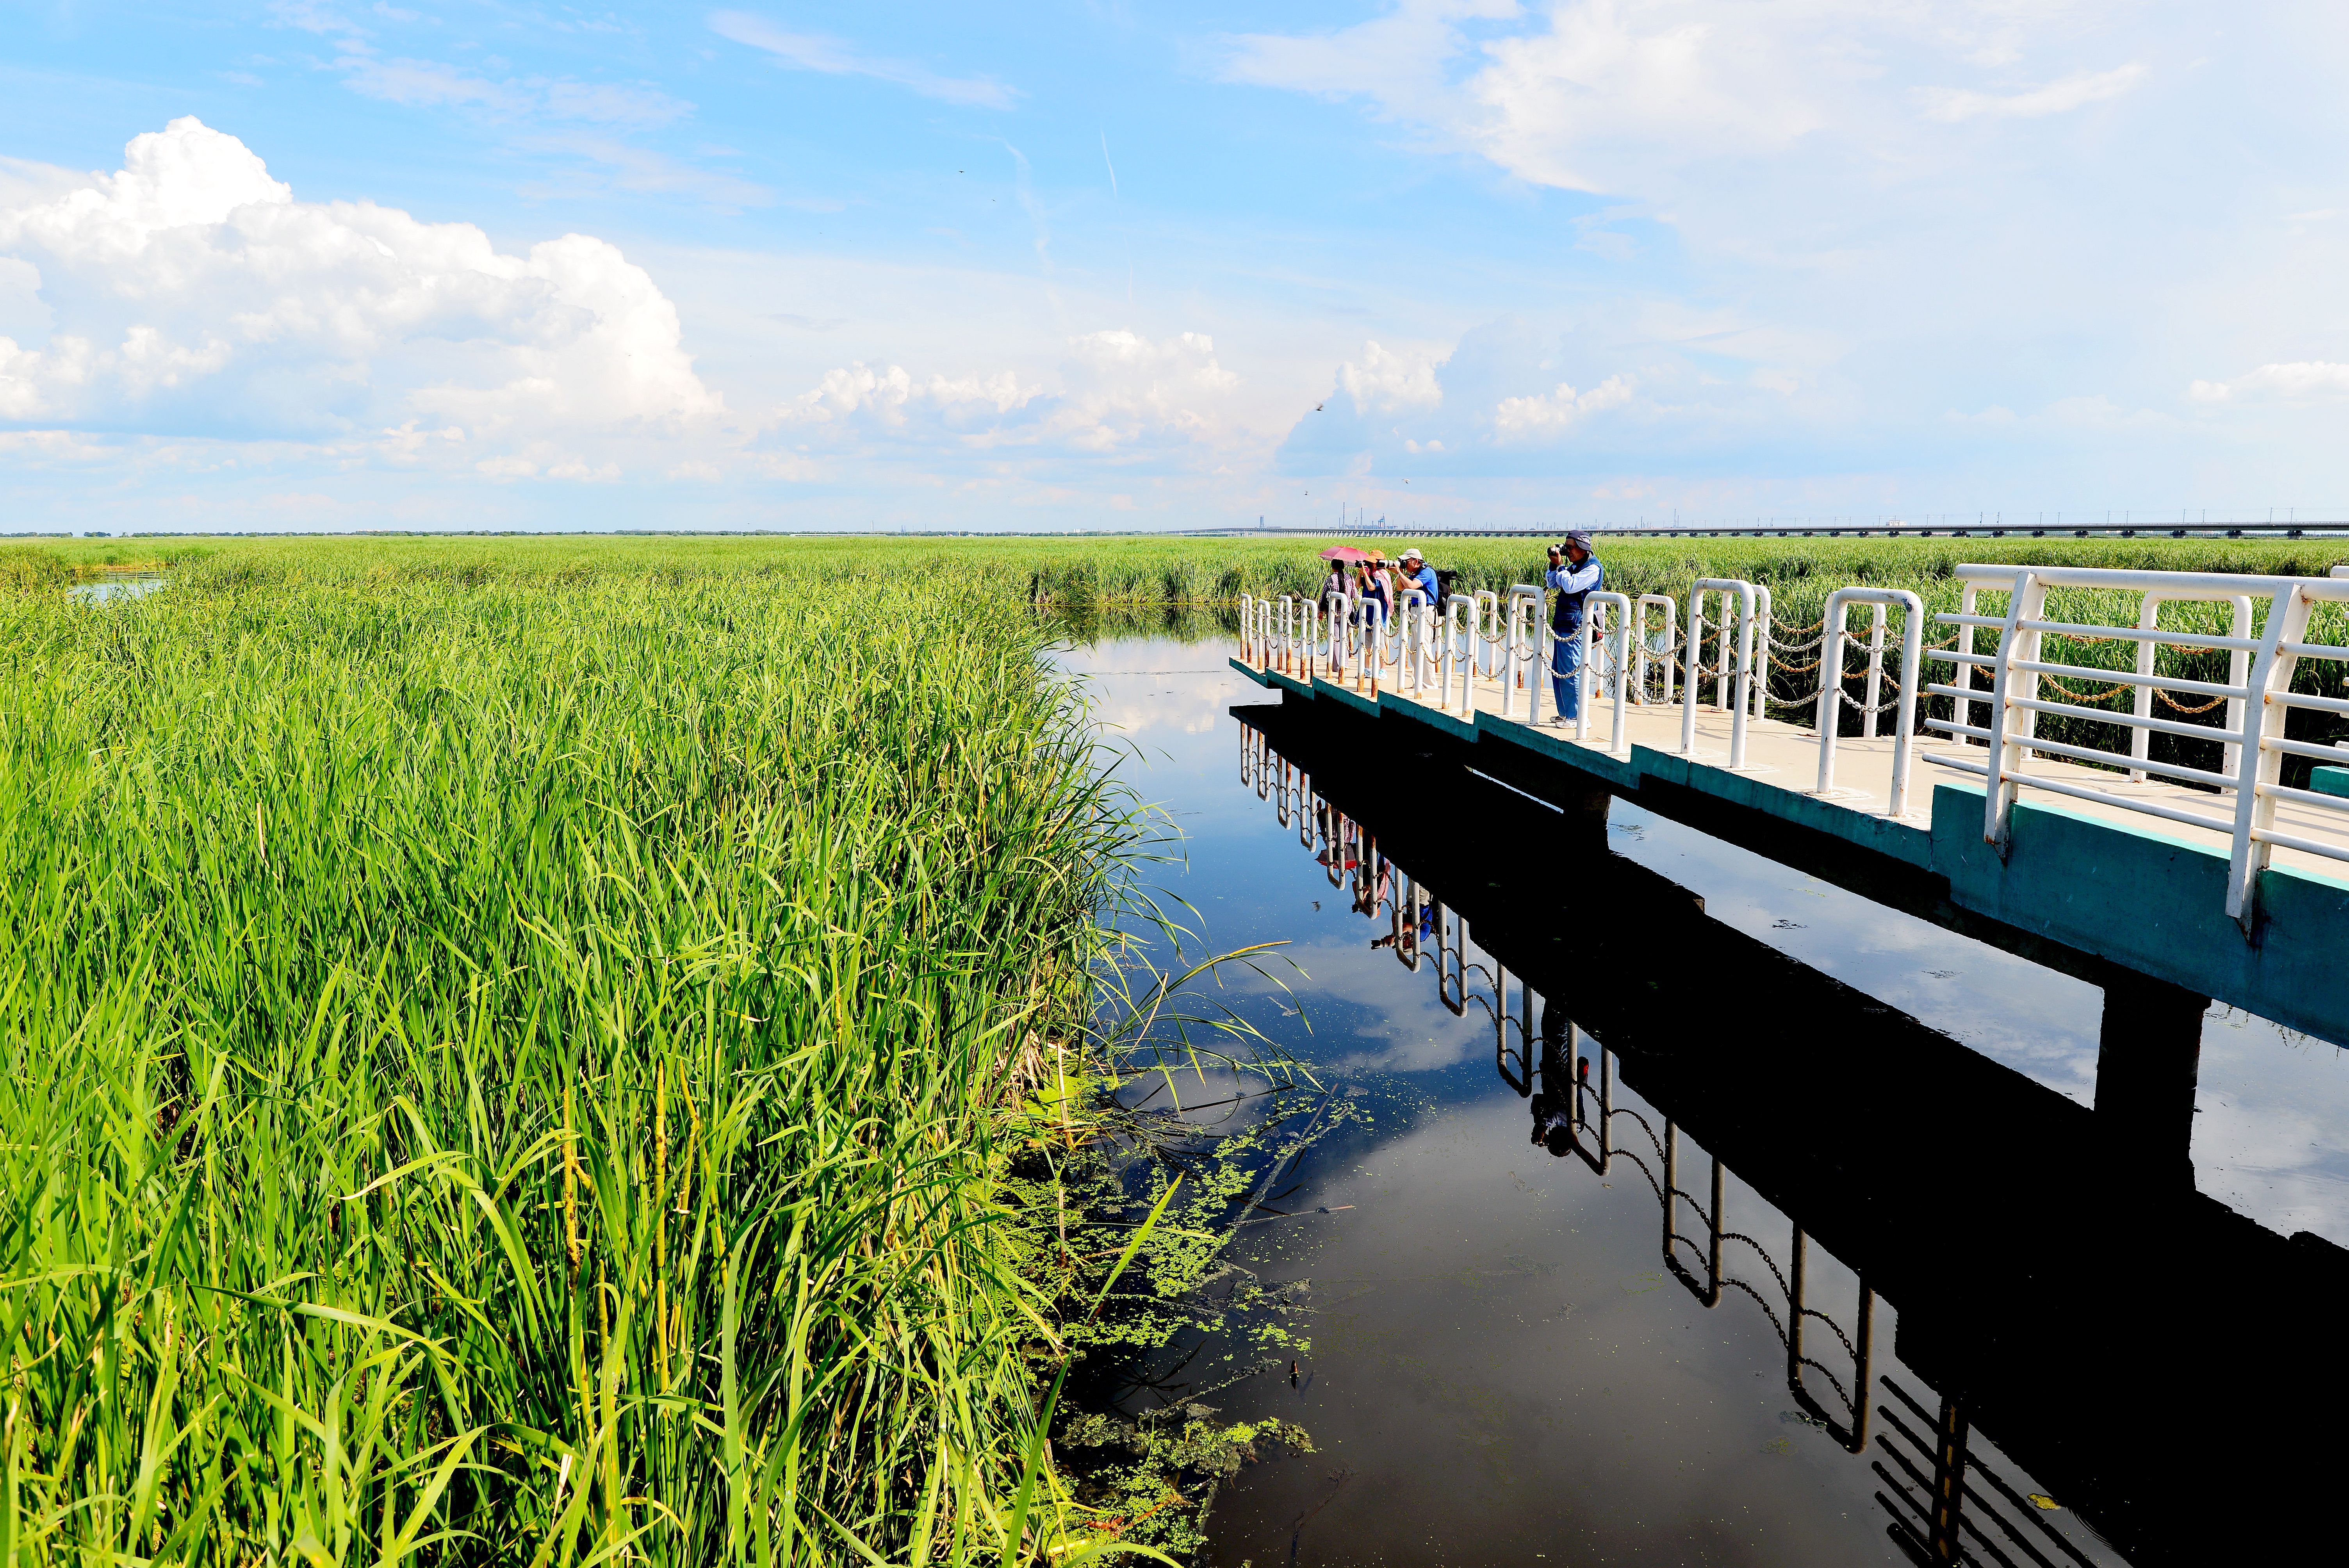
1522,1352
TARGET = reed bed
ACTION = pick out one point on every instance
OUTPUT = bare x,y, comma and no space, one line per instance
515,1058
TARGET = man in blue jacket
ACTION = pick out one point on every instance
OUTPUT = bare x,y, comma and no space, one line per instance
1574,571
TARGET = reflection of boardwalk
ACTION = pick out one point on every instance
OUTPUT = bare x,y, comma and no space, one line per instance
1814,1154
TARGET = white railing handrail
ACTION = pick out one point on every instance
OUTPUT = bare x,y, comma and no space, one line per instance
2258,694
2225,583
1831,697
1742,648
1619,734
1522,597
1459,652
2238,798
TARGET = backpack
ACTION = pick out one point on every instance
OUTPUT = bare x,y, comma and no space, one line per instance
1443,584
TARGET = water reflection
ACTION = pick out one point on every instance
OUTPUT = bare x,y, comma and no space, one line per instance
107,590
2053,1299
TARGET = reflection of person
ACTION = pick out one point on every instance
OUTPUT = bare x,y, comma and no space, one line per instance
1575,572
1553,1107
1409,936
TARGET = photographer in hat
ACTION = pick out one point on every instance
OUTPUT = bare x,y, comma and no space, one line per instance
1575,572
1417,573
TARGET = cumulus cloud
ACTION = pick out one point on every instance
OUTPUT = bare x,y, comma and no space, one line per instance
2298,381
1118,392
814,52
884,395
190,292
1632,96
1386,382
2077,90
1608,89
1552,413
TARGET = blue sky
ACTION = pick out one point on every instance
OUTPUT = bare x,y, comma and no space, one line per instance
1450,262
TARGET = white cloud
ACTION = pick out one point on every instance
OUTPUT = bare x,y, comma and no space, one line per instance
1614,84
882,395
2300,381
1118,391
191,290
2082,87
1389,58
1386,381
812,52
638,169
1552,413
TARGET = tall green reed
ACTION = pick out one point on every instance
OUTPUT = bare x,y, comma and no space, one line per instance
513,1066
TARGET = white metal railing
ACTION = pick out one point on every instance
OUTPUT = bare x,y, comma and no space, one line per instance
2243,792
1831,693
1503,635
1656,644
1459,654
1596,605
1725,588
1522,668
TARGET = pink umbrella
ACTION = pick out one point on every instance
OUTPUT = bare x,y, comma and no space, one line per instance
1345,552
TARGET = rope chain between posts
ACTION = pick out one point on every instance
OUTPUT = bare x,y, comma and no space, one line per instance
1666,648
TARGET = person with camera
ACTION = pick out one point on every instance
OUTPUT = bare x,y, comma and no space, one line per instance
1575,572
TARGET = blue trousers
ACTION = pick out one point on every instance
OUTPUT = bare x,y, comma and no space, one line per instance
1566,659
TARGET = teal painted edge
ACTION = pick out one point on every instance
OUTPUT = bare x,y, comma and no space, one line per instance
1910,843
2329,781
1458,728
2153,903
1250,670
1352,699
1623,773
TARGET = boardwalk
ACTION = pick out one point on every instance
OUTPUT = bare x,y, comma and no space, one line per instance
2155,865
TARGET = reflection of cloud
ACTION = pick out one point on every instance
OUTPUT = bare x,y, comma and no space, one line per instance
2272,1129
2042,1024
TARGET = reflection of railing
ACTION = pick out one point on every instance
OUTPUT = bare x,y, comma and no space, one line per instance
1943,1503
1944,1499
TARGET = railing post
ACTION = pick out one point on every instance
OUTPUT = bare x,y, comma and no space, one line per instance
1672,629
1510,666
2261,765
1460,651
1830,718
1694,669
1875,674
1619,736
1904,726
2011,727
1964,706
1248,630
1587,634
1763,616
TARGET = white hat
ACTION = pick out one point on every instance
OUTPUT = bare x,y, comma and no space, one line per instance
1412,554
